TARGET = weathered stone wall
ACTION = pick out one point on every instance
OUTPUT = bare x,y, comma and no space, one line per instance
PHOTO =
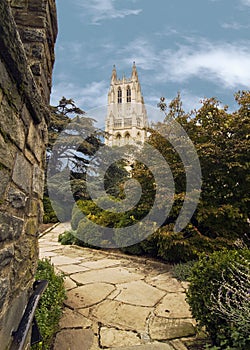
24,95
37,25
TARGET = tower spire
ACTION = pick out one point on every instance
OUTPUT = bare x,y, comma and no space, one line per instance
114,74
134,72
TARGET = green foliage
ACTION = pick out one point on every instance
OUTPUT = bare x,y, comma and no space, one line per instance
219,297
222,150
77,216
67,238
50,305
49,214
72,141
182,271
221,217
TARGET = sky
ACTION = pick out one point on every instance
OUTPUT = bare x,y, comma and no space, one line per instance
198,47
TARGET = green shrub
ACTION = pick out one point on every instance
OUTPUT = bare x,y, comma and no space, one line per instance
149,245
49,214
67,238
219,297
134,249
183,271
90,235
50,305
182,247
77,216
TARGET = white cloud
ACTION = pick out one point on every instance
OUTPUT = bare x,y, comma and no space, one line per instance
86,97
234,26
226,64
222,63
100,10
245,2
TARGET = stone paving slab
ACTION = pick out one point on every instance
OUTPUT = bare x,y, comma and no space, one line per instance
116,301
115,275
88,295
100,264
64,260
113,337
74,339
139,293
74,319
158,346
173,305
162,328
70,269
125,316
166,282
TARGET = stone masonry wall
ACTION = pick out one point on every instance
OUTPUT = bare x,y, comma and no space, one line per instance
37,25
24,96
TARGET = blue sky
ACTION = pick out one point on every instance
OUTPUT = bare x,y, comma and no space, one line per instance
198,47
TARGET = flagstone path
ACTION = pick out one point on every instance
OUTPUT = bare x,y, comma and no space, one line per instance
117,302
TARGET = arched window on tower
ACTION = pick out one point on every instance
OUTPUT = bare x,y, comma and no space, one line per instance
118,139
127,138
128,94
119,95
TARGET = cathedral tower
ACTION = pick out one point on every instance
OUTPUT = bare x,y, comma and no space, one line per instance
126,118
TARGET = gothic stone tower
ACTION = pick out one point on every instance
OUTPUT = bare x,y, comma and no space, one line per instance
126,118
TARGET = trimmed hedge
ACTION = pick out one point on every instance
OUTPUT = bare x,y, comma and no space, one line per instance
50,305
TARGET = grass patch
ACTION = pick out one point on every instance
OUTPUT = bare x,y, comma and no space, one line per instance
50,305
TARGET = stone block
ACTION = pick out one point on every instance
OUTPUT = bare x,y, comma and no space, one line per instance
19,3
35,208
37,51
6,255
29,19
6,152
35,142
37,5
36,69
32,35
4,289
31,227
5,178
22,173
38,180
17,198
11,96
1,95
10,121
10,227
